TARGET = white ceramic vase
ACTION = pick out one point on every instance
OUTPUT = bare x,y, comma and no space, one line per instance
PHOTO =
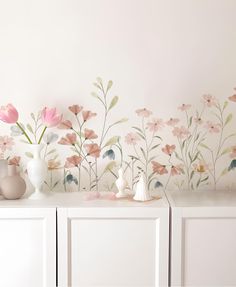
141,191
121,184
37,172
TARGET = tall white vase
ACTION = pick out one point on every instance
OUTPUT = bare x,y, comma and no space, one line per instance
37,171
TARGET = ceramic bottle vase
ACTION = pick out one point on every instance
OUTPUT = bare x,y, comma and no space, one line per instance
141,191
13,186
3,172
121,184
37,172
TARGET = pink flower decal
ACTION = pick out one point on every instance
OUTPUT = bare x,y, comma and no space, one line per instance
233,98
89,134
132,138
87,115
50,117
198,120
181,133
65,125
209,100
14,161
184,107
168,149
9,114
6,143
75,109
212,127
175,170
159,168
172,122
155,125
145,113
69,139
93,150
73,161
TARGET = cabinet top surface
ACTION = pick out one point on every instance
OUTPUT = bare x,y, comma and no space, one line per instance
80,200
201,198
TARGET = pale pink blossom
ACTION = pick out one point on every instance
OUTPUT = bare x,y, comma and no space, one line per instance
155,125
172,122
209,100
75,109
181,132
159,168
198,120
88,115
132,138
145,113
212,127
9,114
65,125
93,150
69,139
6,143
50,117
73,161
168,149
89,134
184,107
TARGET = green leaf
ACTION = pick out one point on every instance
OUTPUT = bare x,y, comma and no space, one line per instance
99,80
123,120
224,172
192,174
51,151
204,179
113,102
138,129
97,97
141,135
177,156
225,151
29,154
143,152
110,166
204,146
190,121
109,85
228,119
97,86
30,128
155,146
32,116
112,141
196,156
225,105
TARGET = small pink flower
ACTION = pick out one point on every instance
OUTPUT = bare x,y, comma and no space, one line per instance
69,139
172,122
184,107
88,115
75,109
159,168
181,132
89,134
155,125
6,143
9,114
175,170
233,98
209,100
168,149
93,150
145,113
73,161
65,125
233,152
50,117
14,161
212,127
198,120
53,164
132,138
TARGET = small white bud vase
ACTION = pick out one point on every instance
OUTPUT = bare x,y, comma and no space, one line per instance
121,184
37,171
141,191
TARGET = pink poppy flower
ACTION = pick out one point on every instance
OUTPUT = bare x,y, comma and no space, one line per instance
89,134
75,109
145,113
233,98
155,125
9,114
175,170
14,161
6,143
53,164
212,127
184,107
168,149
233,152
88,115
159,168
65,125
132,138
93,150
172,122
209,100
73,161
69,139
50,117
198,120
181,133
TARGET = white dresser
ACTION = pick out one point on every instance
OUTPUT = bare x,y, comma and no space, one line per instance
67,241
203,238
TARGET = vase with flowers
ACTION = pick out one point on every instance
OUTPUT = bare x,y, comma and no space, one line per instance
36,167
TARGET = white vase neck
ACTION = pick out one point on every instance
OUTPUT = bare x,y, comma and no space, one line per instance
36,149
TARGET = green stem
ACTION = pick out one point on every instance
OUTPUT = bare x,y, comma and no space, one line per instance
41,137
24,132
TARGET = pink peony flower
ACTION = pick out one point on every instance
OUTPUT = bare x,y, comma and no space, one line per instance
93,150
73,161
145,113
159,168
14,161
209,100
6,143
172,122
132,138
155,125
50,117
75,109
9,114
168,149
89,134
88,115
184,107
181,132
69,139
212,127
65,125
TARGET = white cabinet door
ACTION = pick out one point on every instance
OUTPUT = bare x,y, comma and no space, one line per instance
113,247
27,247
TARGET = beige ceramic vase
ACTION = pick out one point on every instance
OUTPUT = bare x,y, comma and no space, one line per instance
13,186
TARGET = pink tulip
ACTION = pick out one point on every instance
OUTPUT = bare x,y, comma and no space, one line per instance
9,114
50,117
